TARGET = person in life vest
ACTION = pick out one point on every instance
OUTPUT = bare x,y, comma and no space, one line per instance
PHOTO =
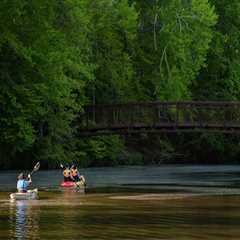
75,173
23,182
76,176
67,174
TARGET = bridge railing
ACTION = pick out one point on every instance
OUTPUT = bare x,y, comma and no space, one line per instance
168,115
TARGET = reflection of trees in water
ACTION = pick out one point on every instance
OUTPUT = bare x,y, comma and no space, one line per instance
70,215
24,219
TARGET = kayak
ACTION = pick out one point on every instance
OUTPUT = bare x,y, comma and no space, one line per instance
29,195
72,184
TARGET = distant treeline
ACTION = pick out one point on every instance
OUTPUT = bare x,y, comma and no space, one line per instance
58,56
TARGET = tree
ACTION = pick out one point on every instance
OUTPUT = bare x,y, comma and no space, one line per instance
43,66
173,41
113,30
219,80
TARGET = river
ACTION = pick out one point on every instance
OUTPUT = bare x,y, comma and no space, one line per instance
164,202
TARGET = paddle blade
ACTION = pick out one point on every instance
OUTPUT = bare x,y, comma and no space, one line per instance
36,167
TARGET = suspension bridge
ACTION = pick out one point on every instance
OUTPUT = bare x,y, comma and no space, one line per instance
157,117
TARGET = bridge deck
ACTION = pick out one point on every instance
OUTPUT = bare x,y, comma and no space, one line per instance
161,117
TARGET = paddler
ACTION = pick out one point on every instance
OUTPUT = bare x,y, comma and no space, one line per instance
23,182
76,176
67,174
75,173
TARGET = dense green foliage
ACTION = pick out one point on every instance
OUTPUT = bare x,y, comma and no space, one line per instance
57,56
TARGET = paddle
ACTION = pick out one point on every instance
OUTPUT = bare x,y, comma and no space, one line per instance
36,168
83,181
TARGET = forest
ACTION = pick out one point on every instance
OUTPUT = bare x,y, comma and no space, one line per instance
58,56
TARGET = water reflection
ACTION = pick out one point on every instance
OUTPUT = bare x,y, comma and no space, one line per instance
24,220
72,191
69,215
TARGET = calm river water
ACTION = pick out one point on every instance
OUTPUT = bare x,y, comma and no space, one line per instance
165,202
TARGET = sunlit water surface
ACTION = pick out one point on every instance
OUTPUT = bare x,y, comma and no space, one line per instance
167,202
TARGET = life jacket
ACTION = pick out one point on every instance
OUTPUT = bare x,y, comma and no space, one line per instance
22,185
66,173
74,172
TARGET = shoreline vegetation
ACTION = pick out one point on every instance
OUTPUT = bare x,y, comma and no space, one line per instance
57,57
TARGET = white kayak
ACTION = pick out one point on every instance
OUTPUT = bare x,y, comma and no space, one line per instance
29,195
